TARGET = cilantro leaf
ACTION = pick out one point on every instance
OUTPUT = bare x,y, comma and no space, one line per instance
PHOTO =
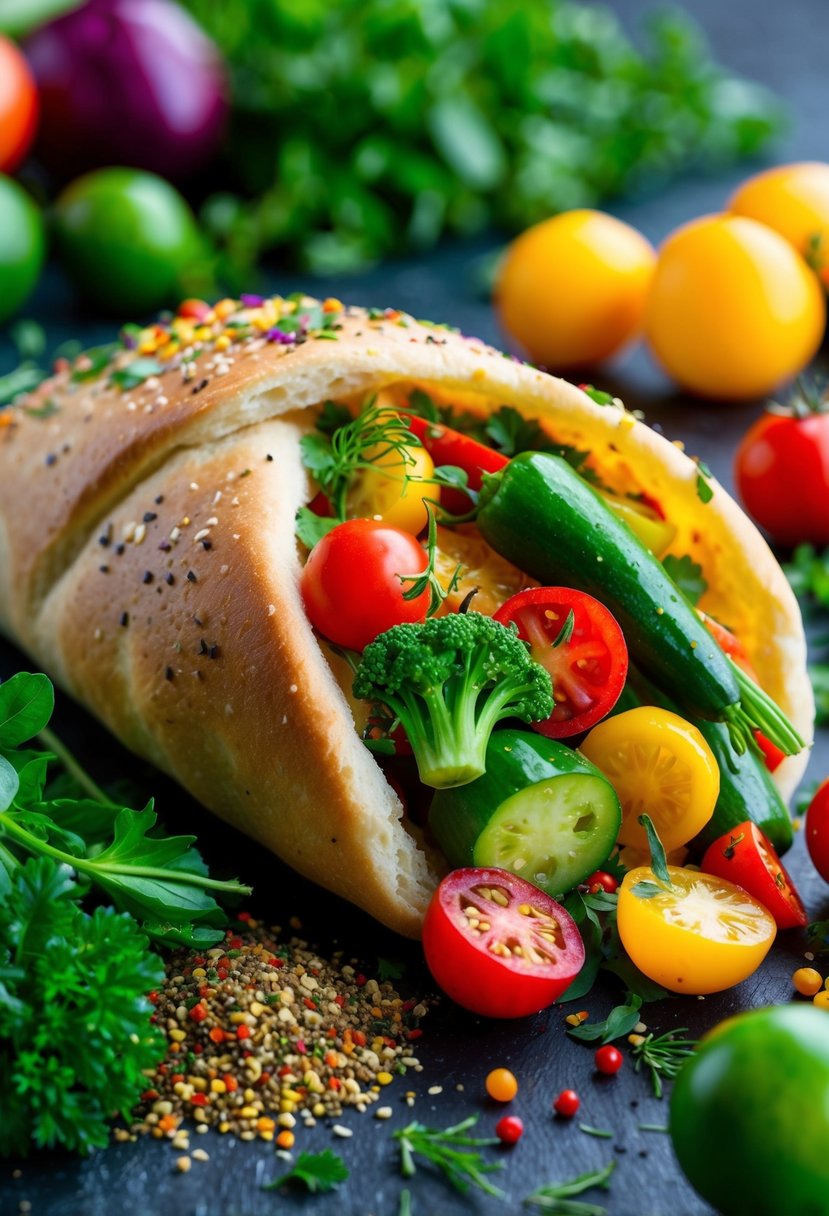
619,1022
687,574
310,527
318,1172
705,491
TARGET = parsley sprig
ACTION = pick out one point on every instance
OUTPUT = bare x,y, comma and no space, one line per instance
317,1172
663,1056
449,1151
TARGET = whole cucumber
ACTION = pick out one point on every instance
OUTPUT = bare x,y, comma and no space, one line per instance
541,516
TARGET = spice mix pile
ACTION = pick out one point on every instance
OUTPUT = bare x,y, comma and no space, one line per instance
261,1030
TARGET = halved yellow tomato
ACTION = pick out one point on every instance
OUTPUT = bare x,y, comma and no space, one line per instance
392,488
496,579
700,934
659,765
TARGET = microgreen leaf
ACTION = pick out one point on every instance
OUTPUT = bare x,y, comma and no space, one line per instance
310,528
319,1173
598,395
659,862
619,1022
135,373
687,575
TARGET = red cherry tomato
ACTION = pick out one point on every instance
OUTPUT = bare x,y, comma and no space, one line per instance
446,446
509,1130
600,881
567,1103
588,668
747,857
782,474
608,1059
817,830
18,106
499,946
351,582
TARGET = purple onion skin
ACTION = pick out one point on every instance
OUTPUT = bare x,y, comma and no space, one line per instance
128,82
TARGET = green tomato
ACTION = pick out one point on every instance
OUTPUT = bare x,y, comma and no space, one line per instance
128,240
750,1114
22,246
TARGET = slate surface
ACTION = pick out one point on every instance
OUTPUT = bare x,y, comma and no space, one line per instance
781,45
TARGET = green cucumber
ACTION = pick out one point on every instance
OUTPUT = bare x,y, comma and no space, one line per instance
540,810
747,790
541,516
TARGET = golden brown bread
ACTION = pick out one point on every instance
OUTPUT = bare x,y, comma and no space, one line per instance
148,563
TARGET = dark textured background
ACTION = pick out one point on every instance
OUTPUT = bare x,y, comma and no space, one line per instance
784,46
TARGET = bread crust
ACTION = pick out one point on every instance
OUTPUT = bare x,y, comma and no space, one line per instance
149,564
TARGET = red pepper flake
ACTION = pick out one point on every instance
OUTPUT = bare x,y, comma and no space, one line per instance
265,1078
198,961
301,1048
217,1035
231,1084
204,989
246,1055
198,1100
332,1032
243,916
243,1032
360,980
177,1077
276,962
153,998
333,1082
235,943
198,1013
149,1095
413,1034
308,1003
340,1000
284,1070
359,1038
198,1048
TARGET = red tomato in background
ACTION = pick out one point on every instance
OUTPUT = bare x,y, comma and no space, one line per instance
782,473
351,586
18,106
446,446
472,916
588,669
746,856
817,830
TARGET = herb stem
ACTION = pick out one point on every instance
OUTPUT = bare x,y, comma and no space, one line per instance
53,744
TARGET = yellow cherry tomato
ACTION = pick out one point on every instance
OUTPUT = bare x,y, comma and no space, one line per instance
700,934
821,999
807,981
794,201
654,532
392,489
732,309
571,290
659,765
501,1085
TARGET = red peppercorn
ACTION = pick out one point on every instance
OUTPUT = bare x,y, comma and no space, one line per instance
243,1032
567,1103
360,980
509,1130
608,1059
198,1099
198,1013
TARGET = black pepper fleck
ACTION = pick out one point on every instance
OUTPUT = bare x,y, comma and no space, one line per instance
51,459
125,619
106,538
165,546
169,579
169,674
213,651
120,549
197,388
159,499
191,576
269,458
104,569
203,647
149,516
148,576
207,544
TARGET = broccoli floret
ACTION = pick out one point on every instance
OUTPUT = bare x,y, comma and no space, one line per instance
449,681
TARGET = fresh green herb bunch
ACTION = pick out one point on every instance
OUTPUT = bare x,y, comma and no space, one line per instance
75,1031
367,125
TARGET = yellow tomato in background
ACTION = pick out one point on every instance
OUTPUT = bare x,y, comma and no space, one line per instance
392,489
794,201
732,309
659,765
700,934
571,290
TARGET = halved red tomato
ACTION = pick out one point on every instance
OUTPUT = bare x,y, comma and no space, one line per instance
448,447
746,856
585,654
499,946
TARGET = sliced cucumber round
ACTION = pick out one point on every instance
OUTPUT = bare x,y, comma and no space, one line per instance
540,810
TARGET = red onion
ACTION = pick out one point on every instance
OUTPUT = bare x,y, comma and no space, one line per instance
127,82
